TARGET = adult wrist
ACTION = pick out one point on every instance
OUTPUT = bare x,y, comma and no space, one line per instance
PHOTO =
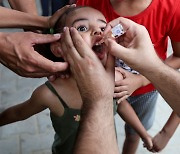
2,45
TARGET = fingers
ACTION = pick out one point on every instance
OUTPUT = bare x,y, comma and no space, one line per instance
122,71
116,49
57,14
107,29
70,51
81,46
42,64
126,23
110,63
122,99
44,38
121,94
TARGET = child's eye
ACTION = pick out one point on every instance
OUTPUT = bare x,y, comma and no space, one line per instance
82,29
102,29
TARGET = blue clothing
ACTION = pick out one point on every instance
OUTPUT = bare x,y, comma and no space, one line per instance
144,106
49,7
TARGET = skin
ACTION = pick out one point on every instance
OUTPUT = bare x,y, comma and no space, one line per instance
17,19
138,37
24,6
129,8
163,74
90,31
15,55
159,70
37,104
161,139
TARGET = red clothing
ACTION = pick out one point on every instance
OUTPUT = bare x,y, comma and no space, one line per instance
161,18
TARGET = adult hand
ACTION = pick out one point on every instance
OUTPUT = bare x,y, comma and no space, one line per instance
54,18
96,86
17,53
135,47
87,69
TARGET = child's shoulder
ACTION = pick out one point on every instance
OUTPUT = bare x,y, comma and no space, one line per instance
42,94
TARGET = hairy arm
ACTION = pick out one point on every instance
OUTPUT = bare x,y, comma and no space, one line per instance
16,19
166,80
137,42
28,6
96,130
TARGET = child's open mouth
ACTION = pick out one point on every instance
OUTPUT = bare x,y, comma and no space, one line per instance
99,50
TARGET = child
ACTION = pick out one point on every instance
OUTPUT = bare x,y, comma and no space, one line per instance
161,21
61,96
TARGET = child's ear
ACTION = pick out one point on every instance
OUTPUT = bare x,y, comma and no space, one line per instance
55,48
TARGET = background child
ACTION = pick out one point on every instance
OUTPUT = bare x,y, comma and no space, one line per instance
62,96
162,22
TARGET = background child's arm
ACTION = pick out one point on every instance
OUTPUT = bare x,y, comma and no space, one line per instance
129,116
24,110
174,59
162,138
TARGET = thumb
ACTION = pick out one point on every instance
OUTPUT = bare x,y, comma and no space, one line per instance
110,64
45,38
116,49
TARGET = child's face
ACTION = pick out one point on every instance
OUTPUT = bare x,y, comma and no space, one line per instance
90,23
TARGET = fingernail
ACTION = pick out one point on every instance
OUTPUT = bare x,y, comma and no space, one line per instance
72,28
73,5
64,29
119,101
57,35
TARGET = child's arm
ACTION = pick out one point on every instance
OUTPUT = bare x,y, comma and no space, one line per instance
24,110
162,138
129,116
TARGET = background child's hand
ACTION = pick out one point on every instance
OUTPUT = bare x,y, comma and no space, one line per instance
148,143
124,88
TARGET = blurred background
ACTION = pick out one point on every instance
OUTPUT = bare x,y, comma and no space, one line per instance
35,135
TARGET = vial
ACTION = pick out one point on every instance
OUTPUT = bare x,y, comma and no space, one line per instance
115,32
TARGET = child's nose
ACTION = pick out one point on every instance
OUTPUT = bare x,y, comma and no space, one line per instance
97,31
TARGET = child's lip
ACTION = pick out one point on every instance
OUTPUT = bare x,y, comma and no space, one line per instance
97,40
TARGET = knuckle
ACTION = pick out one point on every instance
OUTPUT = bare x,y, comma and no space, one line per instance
77,43
70,47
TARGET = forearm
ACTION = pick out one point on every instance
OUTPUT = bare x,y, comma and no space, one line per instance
171,125
28,6
16,19
9,116
166,80
97,131
129,116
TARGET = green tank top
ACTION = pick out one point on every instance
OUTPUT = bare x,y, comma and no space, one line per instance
65,126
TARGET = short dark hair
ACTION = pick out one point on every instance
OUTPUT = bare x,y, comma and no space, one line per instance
60,24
